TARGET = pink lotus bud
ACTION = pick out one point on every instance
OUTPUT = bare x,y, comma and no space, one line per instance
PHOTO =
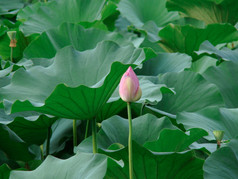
129,88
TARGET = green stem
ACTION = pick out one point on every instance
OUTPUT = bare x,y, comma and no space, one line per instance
27,166
130,141
94,135
42,152
48,141
45,0
11,54
86,131
218,144
75,132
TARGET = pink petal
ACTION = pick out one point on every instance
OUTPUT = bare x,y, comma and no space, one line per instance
129,85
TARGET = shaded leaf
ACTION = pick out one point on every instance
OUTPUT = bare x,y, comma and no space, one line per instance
66,34
155,165
175,140
202,64
32,131
187,39
115,130
224,77
82,164
10,142
165,62
141,11
62,131
4,171
224,53
76,88
209,11
210,119
27,11
193,93
10,6
48,16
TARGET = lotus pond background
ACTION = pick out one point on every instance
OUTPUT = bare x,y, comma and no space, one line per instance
66,68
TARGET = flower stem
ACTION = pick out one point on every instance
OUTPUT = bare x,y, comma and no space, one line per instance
86,131
27,167
42,152
11,54
48,141
130,141
75,132
94,135
218,144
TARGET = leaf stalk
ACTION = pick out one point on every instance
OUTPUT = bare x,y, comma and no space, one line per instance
75,132
94,135
48,141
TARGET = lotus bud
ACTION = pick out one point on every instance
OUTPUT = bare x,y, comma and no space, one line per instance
129,88
12,37
218,135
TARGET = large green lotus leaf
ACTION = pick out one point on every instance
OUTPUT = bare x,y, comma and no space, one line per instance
76,85
138,12
122,23
209,11
5,78
5,71
145,16
155,165
224,77
81,165
202,64
224,53
210,119
28,63
223,164
152,92
31,127
4,159
111,108
165,62
10,6
115,130
32,131
193,93
155,111
27,11
187,39
152,31
3,30
4,118
152,47
110,14
57,12
190,21
175,140
206,146
4,171
13,146
66,34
